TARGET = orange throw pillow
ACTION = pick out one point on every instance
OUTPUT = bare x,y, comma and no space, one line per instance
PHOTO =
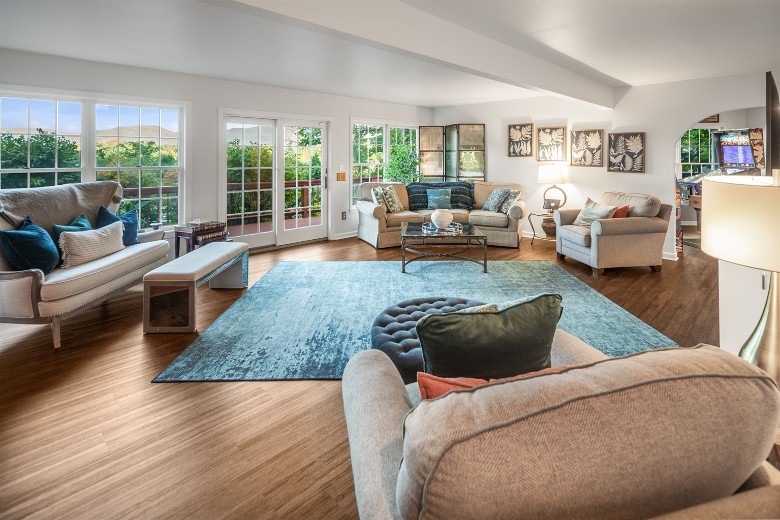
434,386
621,212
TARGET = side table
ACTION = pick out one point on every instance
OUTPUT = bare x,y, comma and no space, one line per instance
546,215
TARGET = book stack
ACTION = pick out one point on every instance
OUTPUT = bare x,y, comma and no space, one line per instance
203,233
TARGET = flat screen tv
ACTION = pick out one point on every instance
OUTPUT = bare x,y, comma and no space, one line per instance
735,150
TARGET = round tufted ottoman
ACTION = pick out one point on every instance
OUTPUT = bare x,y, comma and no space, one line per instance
394,330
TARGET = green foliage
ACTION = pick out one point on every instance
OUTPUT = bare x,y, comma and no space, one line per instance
403,164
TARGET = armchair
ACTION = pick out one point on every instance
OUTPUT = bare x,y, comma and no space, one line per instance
636,240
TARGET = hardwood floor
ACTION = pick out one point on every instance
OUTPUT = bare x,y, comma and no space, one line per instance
84,434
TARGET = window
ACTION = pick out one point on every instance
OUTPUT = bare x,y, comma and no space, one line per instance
139,147
40,142
373,145
696,152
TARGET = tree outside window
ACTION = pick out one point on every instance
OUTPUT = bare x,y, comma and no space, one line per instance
383,153
696,152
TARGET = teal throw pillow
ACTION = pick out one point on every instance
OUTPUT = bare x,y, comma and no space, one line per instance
29,247
439,198
80,223
495,199
593,211
129,222
491,342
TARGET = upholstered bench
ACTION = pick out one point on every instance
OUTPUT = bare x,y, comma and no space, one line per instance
169,290
394,330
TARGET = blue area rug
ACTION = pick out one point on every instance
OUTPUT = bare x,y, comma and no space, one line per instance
304,320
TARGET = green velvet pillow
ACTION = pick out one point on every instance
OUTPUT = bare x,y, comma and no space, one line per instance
514,339
80,223
593,211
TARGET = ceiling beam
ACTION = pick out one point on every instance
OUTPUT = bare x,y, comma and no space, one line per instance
398,26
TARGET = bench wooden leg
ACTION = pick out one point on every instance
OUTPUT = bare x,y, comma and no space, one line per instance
234,277
169,307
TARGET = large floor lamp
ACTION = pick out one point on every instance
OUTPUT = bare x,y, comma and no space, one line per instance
740,223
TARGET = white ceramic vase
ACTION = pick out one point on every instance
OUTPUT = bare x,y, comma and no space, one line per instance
441,218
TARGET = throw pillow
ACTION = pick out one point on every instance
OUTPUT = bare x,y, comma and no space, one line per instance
593,211
621,212
392,201
512,340
510,199
494,200
461,194
84,246
29,247
129,220
378,196
434,386
80,223
439,198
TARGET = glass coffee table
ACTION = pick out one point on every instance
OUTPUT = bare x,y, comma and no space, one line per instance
455,241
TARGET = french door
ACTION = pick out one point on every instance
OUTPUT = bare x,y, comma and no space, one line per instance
274,180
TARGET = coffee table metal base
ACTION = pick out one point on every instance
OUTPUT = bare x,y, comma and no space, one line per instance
416,246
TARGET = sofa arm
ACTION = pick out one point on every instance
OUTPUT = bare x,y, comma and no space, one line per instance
758,503
517,210
375,405
371,209
628,226
564,217
150,236
19,293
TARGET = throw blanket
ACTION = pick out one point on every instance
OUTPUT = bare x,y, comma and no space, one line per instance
57,204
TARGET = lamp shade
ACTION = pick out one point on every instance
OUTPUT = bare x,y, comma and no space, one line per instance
550,174
740,220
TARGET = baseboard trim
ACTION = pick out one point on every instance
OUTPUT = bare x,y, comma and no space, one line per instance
688,223
341,236
670,256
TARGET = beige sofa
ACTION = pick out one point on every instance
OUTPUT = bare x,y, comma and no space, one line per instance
30,297
677,431
637,240
382,229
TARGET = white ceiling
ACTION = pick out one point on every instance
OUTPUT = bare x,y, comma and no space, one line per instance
419,52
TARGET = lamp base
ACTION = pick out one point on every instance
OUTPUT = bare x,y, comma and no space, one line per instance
762,348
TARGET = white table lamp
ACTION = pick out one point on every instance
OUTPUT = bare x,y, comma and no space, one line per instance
740,223
552,174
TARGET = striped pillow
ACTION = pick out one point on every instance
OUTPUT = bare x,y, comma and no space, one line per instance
84,246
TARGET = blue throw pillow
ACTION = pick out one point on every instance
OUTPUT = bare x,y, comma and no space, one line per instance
439,199
29,247
80,223
129,221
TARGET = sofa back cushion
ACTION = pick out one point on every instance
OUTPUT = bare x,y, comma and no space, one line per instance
56,205
461,194
483,189
639,204
364,191
629,437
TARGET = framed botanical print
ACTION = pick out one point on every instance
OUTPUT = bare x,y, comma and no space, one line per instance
551,143
627,152
587,148
521,140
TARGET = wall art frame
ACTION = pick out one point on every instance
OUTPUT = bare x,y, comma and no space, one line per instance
520,140
587,148
550,144
626,152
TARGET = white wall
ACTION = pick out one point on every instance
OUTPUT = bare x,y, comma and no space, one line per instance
663,111
206,96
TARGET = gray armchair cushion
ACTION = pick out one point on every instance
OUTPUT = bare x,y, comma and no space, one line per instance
629,226
579,235
639,204
633,437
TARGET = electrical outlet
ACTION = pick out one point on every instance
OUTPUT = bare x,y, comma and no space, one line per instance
343,215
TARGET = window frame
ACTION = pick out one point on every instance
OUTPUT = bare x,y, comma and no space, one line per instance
89,101
386,146
713,162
